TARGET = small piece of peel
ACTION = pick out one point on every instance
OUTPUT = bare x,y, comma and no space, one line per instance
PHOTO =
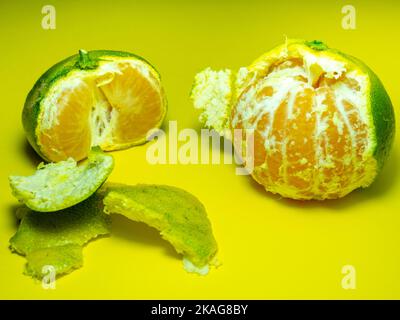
179,216
56,186
56,239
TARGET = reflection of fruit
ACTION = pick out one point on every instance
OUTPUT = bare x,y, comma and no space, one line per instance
57,186
100,98
323,122
179,216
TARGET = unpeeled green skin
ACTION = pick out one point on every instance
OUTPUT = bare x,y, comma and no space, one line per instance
82,61
381,105
179,216
56,239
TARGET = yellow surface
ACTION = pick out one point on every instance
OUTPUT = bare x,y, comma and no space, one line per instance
270,247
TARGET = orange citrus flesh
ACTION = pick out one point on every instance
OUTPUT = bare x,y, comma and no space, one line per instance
322,122
70,135
137,99
308,139
113,108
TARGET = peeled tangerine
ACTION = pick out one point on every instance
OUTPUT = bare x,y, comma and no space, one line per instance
322,122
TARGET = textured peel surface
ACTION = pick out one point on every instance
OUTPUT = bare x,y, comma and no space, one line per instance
179,216
56,238
59,259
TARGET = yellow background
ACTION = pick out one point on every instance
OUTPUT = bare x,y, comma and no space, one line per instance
270,247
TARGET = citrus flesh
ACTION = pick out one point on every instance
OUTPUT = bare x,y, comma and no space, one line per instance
109,99
322,121
60,185
179,216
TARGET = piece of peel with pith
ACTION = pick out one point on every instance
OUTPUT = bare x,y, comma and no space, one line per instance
179,216
212,94
57,186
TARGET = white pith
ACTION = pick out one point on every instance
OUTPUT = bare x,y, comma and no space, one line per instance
56,186
211,90
103,117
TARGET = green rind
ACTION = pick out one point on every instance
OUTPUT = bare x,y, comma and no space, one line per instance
57,238
382,114
380,105
179,216
59,259
32,106
74,225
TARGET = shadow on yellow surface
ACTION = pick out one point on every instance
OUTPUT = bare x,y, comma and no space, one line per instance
138,232
30,153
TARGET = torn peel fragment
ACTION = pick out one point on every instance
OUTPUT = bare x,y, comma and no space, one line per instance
56,238
179,216
212,95
57,186
60,259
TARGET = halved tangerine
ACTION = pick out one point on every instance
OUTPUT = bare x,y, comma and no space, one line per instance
109,99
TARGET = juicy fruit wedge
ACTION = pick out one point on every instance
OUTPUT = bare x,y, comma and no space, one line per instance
323,123
55,239
178,215
57,186
109,99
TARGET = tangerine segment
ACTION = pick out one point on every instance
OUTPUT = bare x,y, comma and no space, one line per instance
300,146
64,127
334,145
138,101
311,132
113,106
